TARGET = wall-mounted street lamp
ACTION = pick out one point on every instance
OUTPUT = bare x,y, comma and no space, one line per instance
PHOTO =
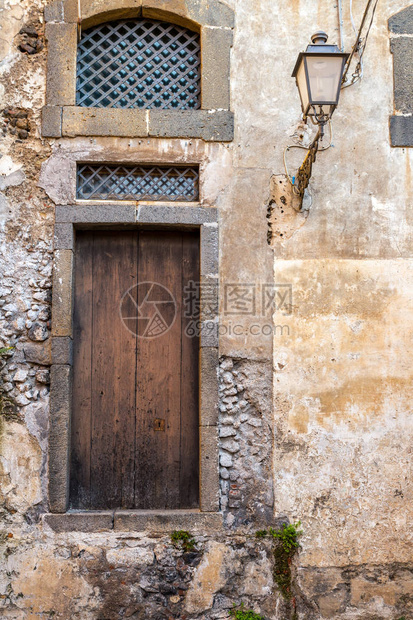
318,73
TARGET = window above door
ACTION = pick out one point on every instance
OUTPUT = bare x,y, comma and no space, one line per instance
102,181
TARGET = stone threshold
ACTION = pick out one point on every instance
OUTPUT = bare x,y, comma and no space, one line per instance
150,521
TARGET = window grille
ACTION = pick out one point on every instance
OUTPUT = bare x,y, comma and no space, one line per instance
139,64
121,182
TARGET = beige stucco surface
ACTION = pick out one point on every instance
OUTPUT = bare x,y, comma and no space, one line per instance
343,394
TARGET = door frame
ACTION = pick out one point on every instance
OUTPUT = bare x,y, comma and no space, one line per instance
70,218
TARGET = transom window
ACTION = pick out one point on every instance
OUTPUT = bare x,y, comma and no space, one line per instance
139,63
122,182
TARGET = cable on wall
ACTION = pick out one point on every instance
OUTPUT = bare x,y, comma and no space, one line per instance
360,45
341,24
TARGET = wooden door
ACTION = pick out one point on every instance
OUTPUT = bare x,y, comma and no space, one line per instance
135,419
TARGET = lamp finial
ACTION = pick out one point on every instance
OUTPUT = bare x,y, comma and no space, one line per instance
319,38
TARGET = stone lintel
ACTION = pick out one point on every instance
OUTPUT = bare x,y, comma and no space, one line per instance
96,214
191,13
161,214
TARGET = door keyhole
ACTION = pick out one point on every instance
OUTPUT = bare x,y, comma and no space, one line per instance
159,425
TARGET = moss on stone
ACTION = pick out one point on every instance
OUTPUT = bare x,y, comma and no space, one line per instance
245,614
185,539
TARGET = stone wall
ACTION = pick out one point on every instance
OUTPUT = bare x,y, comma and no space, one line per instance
246,442
314,423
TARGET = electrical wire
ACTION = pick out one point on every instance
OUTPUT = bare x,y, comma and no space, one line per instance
340,24
353,23
305,148
360,62
360,44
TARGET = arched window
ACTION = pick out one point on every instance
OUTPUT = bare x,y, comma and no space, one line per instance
142,68
139,63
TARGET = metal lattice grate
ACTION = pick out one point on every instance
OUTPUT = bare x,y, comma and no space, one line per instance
139,64
121,182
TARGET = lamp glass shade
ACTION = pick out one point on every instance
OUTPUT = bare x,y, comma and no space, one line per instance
324,78
301,78
318,72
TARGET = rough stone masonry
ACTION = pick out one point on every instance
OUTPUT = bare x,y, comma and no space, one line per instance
315,422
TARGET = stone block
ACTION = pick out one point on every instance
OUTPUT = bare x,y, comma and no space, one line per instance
215,86
199,12
99,521
209,474
209,298
99,11
62,350
101,214
63,237
209,334
161,214
211,576
402,22
333,603
61,64
51,121
122,123
212,126
209,250
209,386
59,437
165,522
54,12
38,353
402,50
401,131
62,293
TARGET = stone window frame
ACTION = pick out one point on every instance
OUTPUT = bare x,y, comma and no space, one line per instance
213,19
121,215
401,46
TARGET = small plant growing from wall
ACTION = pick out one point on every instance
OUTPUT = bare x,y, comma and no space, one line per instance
285,546
244,614
184,539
